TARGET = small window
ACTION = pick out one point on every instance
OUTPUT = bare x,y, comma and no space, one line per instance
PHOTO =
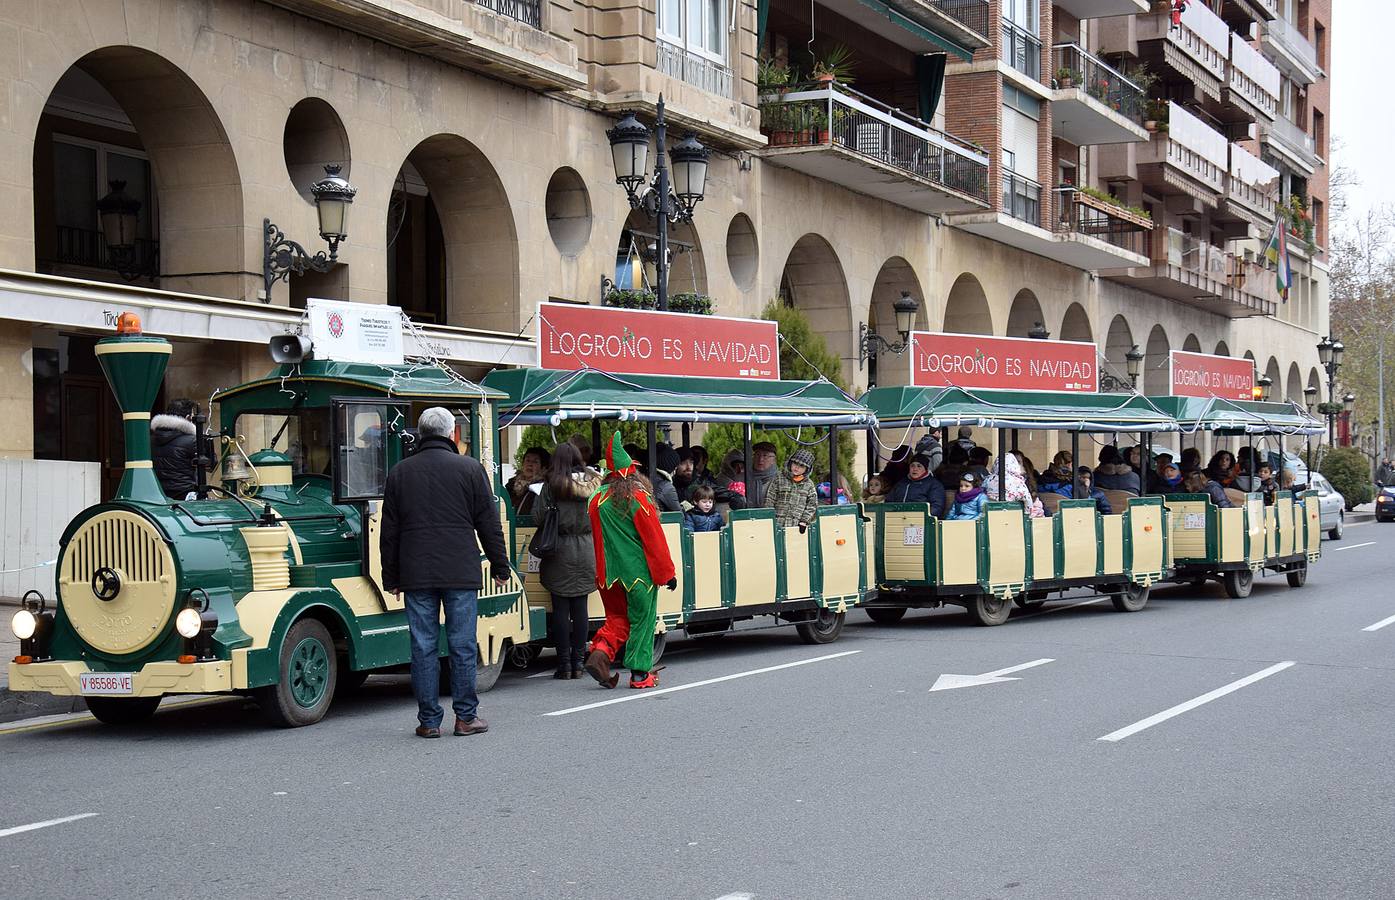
362,431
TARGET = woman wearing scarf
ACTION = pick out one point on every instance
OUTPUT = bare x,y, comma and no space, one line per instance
1017,489
1058,478
919,486
1221,468
632,560
969,502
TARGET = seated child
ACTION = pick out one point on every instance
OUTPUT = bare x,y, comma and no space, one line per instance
969,502
1264,482
875,491
702,516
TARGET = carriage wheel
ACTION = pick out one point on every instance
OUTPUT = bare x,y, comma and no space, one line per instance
308,674
1298,575
986,609
122,710
1239,583
822,630
886,615
1132,598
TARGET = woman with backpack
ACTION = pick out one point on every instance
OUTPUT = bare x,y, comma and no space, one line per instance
569,571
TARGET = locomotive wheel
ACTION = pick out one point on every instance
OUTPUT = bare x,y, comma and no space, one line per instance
487,676
1239,583
886,615
1298,576
122,710
824,629
309,674
986,609
1132,598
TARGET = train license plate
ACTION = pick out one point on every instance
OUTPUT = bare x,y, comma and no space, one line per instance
106,683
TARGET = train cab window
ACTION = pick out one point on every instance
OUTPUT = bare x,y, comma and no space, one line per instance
362,433
303,435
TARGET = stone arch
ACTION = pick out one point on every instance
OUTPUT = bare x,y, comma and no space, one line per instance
1156,370
1293,385
476,273
1075,325
1118,342
813,281
192,203
966,308
895,276
1222,348
1192,344
1276,378
637,250
1024,314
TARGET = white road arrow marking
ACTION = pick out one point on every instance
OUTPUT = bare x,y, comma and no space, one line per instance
950,682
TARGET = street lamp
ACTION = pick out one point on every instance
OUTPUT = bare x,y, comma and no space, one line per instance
119,214
1262,385
1330,354
1133,360
667,202
282,257
870,344
1310,397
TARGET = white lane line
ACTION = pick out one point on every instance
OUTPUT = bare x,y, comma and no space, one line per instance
737,897
640,695
1180,708
1054,609
1381,624
1354,546
20,829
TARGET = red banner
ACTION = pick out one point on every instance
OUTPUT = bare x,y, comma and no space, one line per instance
641,342
1023,364
1204,375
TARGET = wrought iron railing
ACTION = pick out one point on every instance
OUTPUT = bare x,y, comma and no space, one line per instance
87,247
1022,50
1074,67
832,113
970,13
694,69
529,12
1021,197
1079,213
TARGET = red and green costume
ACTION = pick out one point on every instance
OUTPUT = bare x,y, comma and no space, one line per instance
632,560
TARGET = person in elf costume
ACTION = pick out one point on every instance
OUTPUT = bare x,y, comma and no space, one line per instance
632,559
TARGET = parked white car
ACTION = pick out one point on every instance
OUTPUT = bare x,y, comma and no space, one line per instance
1331,507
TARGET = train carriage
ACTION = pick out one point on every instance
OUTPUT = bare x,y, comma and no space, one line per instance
1005,556
268,584
751,568
1234,545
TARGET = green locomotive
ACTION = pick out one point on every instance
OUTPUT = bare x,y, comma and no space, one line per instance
270,584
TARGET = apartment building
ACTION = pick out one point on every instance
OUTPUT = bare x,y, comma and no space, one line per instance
1079,168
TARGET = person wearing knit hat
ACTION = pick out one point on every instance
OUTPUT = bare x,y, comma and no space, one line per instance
632,559
792,494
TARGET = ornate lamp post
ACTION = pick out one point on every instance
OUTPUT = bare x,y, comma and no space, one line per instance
1310,394
1134,361
119,214
282,257
1348,405
870,345
666,200
1262,385
1330,354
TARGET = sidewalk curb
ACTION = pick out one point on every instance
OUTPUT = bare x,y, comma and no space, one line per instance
15,705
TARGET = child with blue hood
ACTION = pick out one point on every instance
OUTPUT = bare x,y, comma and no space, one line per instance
969,501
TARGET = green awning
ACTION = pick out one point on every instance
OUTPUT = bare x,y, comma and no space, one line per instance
942,407
900,20
1233,417
427,381
543,396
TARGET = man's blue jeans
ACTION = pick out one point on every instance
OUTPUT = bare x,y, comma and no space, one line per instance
424,620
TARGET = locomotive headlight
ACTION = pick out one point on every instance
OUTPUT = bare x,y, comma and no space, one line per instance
188,622
24,624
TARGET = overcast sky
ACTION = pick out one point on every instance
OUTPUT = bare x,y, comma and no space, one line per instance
1363,110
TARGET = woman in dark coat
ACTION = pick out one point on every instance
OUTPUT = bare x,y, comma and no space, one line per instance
569,572
919,486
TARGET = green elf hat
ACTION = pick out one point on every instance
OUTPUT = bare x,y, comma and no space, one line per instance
616,459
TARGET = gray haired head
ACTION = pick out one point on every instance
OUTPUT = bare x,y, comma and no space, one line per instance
436,421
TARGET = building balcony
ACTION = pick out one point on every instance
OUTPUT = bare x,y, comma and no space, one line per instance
1251,192
1100,9
1199,274
1196,51
1293,145
86,249
922,26
836,134
1020,50
1292,52
964,20
1190,158
1251,91
1241,14
1082,231
1093,103
692,68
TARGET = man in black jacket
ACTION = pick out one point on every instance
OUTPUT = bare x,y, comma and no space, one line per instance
173,447
438,511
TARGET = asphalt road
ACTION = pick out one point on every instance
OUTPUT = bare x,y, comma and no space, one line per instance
841,776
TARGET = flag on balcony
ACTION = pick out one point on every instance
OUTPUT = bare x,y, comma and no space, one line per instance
1277,253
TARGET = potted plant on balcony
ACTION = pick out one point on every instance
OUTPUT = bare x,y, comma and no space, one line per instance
1155,116
835,65
1066,77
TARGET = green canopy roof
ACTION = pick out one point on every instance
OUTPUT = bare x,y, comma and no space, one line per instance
410,380
1237,416
935,407
544,396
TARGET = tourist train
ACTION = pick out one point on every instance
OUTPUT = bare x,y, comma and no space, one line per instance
268,582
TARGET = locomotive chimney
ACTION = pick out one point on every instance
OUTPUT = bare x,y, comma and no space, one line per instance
135,366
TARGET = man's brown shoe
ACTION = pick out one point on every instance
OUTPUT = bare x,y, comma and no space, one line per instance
425,732
598,667
474,726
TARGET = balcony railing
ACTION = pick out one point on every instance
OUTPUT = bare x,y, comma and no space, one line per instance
1099,80
1296,140
1251,282
87,247
1202,36
1195,147
970,13
699,71
1253,76
1286,34
1082,214
529,12
832,113
1021,198
1021,50
1252,183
